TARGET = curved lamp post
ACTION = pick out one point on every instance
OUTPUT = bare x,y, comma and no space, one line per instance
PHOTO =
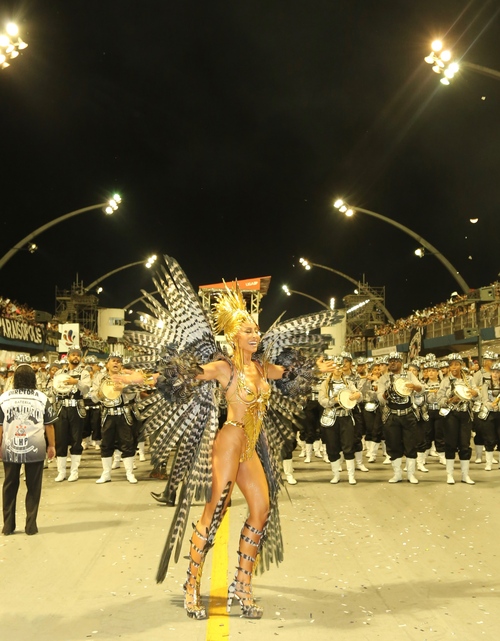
137,300
307,264
150,261
289,292
108,208
349,211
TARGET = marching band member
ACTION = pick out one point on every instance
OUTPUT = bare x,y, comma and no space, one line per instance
338,430
400,424
71,383
456,411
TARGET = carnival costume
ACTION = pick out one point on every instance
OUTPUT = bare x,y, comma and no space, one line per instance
183,413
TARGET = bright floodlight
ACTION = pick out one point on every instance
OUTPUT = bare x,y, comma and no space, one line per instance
108,210
286,290
446,55
437,45
449,73
332,303
12,29
444,81
343,208
349,212
420,252
99,290
474,220
117,198
338,203
429,60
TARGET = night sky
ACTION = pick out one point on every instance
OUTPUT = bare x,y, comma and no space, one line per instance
229,128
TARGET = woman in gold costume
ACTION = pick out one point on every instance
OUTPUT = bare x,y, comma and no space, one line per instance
246,450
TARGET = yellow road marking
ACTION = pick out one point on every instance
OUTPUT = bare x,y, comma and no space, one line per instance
218,621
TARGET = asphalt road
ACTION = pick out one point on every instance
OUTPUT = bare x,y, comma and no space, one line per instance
371,561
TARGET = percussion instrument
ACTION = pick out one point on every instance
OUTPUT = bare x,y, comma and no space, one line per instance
463,391
401,387
108,390
345,400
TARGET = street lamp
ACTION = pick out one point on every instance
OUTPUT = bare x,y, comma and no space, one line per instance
9,45
148,264
343,207
442,64
108,208
289,292
307,265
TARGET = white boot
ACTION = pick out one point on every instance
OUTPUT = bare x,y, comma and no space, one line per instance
479,454
433,450
106,470
288,470
140,447
117,457
450,463
372,451
302,445
387,458
351,466
325,455
129,469
358,457
61,468
410,470
442,458
421,462
341,460
464,467
75,464
398,475
309,451
489,461
336,472
317,449
85,443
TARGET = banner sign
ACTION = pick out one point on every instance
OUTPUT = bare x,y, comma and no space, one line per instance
70,336
21,330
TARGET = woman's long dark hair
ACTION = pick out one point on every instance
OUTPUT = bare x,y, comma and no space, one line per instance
24,377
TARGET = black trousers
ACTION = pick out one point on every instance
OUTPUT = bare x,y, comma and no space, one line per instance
309,424
373,422
340,437
69,430
117,433
434,431
457,428
401,434
491,431
33,475
92,423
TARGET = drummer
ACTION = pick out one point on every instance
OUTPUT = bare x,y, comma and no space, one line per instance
339,396
118,424
395,390
455,397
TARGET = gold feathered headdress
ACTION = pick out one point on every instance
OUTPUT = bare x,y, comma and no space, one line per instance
230,312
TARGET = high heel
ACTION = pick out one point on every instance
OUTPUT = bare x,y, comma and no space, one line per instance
242,590
249,609
192,600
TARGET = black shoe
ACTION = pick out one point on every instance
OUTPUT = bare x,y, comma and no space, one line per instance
161,498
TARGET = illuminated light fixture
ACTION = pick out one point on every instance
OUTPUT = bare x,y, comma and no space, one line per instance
349,212
286,290
332,303
358,306
420,252
113,204
338,203
305,263
474,220
10,44
438,63
99,290
151,260
32,248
